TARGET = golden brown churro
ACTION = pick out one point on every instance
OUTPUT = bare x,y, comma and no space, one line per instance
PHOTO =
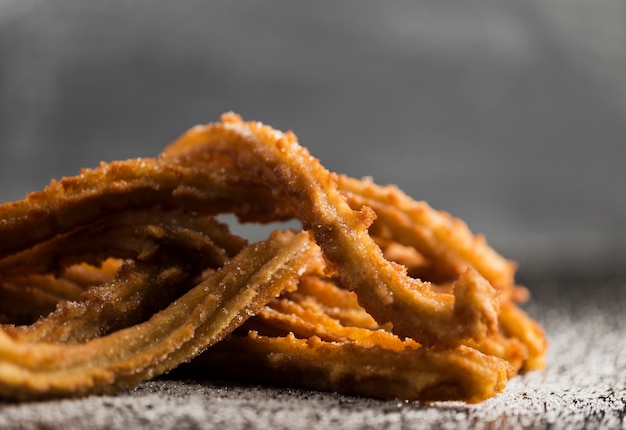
199,318
121,273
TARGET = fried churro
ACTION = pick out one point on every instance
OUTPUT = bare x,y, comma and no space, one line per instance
121,273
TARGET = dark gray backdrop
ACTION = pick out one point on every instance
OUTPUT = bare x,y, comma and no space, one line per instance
509,114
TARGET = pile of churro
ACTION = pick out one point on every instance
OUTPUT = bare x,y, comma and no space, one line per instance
124,272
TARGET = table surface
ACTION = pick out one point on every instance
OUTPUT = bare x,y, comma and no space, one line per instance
583,386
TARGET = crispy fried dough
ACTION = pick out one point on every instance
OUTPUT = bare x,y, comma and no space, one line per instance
120,273
81,361
383,288
355,368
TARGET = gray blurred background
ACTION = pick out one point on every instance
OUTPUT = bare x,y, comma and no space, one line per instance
509,114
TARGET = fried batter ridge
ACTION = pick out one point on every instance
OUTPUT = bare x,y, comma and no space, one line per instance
121,273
